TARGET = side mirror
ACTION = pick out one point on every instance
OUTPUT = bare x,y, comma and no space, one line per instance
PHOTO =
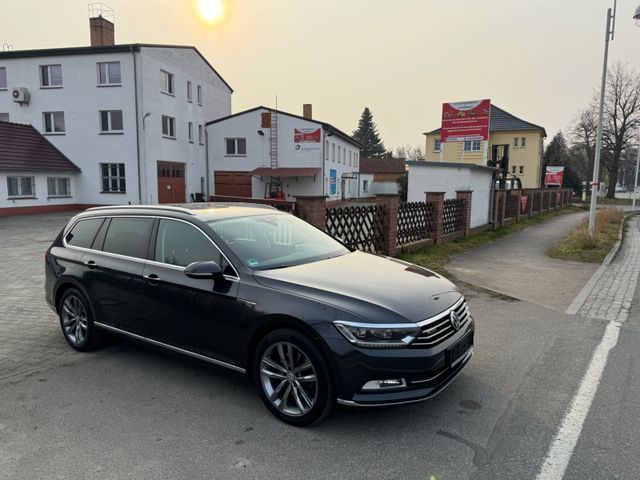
202,270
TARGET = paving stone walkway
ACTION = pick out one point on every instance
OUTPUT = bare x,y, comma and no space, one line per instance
612,295
30,337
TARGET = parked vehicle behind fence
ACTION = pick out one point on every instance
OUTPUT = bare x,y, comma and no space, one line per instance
264,293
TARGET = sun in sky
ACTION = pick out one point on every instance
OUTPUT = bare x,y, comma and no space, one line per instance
210,11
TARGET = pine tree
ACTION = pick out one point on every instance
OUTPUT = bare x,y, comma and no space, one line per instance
367,135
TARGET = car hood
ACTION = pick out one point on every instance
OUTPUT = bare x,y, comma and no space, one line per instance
379,289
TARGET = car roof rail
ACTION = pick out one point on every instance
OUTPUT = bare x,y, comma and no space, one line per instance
168,208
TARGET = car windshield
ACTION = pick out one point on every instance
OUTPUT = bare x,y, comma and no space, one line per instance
264,242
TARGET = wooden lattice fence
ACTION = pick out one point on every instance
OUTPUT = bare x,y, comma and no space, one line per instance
512,205
415,222
359,226
452,215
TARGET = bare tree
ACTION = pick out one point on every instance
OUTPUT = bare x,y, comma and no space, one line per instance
582,134
621,120
409,153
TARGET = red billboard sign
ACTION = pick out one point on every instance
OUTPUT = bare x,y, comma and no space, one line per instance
306,135
554,176
465,121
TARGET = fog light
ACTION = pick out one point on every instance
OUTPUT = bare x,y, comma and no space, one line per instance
383,384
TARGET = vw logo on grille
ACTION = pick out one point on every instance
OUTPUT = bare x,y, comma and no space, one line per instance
455,320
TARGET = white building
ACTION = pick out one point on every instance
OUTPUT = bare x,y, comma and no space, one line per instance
448,177
131,117
264,153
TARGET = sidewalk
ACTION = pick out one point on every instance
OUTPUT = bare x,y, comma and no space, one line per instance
517,265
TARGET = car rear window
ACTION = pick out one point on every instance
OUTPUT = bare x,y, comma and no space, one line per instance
128,236
83,233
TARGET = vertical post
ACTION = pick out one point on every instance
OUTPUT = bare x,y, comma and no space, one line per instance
519,195
437,200
466,196
500,203
548,200
390,205
596,163
312,209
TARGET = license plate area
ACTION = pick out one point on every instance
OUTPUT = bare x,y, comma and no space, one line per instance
456,352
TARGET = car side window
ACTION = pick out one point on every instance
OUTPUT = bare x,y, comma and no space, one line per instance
179,243
128,236
83,232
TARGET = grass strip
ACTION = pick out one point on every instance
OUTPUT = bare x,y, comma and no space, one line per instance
579,246
434,257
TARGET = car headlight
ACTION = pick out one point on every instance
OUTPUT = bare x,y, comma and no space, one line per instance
372,335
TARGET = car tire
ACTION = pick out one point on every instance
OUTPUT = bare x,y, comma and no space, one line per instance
293,378
76,321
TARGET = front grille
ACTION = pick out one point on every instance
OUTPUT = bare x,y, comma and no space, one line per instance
440,327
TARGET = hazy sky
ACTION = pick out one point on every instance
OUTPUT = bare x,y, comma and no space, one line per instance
538,59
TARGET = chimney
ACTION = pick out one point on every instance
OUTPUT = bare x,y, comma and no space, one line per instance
307,111
101,25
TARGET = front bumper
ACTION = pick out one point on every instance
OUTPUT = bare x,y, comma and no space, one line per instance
426,371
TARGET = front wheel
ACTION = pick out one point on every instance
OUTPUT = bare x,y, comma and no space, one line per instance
293,378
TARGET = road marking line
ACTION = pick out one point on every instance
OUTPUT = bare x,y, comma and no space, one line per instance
562,447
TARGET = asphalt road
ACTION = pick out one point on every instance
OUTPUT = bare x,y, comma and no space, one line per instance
127,411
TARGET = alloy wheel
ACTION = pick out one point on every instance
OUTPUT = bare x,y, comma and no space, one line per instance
74,319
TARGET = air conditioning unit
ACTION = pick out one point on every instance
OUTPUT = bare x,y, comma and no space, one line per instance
20,95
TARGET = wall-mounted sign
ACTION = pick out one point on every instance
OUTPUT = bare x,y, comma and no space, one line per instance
307,139
554,176
465,121
333,177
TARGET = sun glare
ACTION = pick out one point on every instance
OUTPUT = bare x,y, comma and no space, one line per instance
210,10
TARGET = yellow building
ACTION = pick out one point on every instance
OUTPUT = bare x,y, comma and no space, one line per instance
525,147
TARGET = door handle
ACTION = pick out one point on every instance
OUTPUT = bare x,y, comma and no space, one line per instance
152,278
91,264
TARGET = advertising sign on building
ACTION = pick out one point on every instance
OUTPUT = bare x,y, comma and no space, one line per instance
465,121
307,139
333,177
554,176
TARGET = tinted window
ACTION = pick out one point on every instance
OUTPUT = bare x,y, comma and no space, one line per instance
128,236
84,232
179,243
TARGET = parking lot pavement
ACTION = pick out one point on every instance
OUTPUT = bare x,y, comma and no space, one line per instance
127,411
30,335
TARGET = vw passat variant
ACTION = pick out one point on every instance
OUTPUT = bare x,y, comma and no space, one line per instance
261,292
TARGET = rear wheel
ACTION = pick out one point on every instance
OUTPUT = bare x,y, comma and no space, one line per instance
76,321
293,378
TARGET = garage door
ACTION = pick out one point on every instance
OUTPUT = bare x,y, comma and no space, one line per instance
233,184
171,182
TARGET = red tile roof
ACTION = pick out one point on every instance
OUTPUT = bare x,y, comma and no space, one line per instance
23,148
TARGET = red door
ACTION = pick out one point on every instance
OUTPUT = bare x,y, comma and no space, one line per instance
171,182
233,184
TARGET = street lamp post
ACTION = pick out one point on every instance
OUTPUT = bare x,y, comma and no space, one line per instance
596,163
636,16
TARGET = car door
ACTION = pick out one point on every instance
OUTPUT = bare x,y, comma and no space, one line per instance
199,315
114,271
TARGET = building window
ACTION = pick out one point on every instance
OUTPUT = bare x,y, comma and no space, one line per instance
189,92
513,169
344,156
236,146
515,141
109,73
4,116
365,186
521,169
350,157
199,94
436,145
167,83
472,146
112,176
50,75
111,121
190,130
201,135
333,152
523,143
168,126
3,78
21,187
54,122
58,187
326,149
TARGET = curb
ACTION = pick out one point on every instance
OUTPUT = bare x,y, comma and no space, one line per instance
577,303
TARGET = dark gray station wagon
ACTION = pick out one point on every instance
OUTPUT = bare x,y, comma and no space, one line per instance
261,292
